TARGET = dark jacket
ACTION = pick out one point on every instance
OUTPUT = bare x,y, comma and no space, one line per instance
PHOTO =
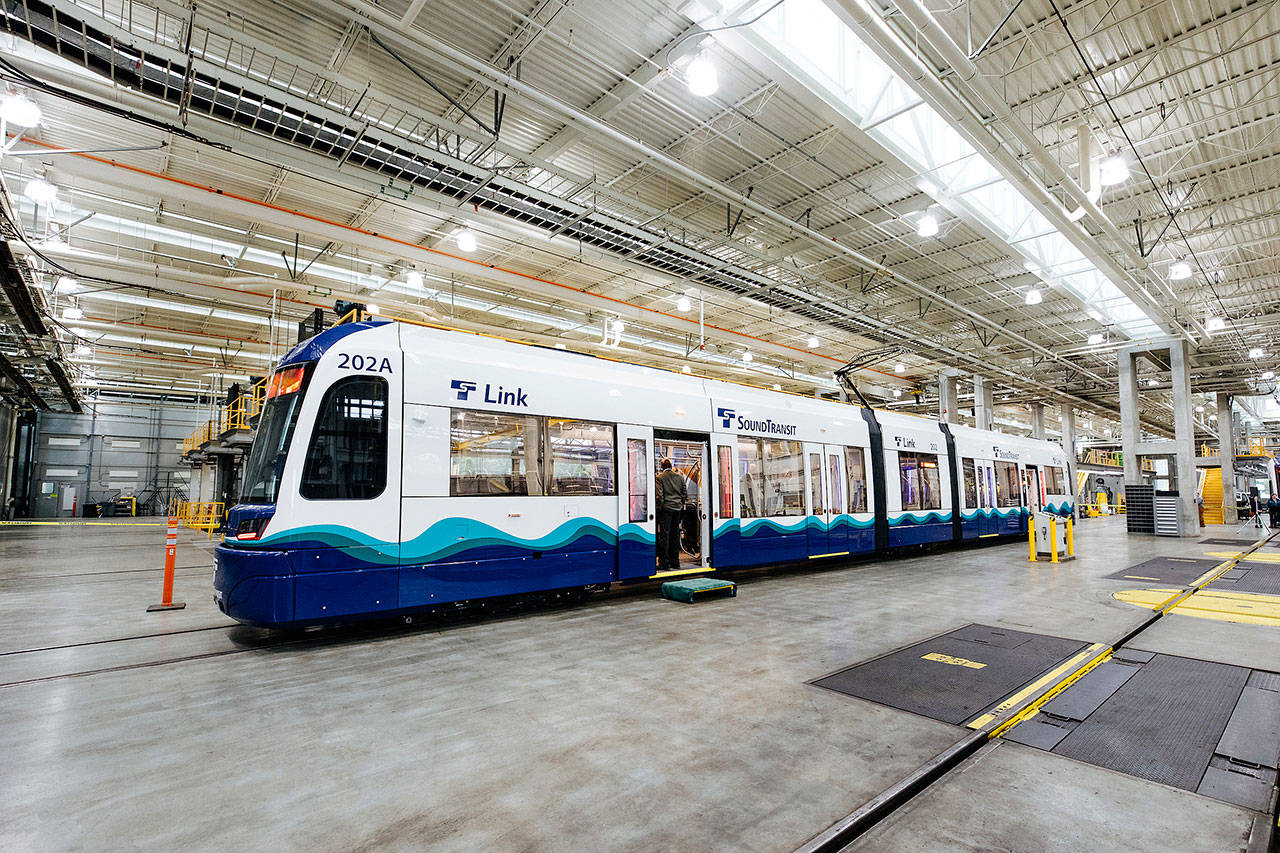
671,491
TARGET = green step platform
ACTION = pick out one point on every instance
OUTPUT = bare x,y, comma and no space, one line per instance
692,588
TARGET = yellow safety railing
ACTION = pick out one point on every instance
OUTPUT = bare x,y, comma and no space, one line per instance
236,416
1114,458
1206,449
198,515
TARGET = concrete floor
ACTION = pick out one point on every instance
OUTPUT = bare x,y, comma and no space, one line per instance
628,722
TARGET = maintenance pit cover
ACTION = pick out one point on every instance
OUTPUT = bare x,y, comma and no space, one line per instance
954,676
1178,571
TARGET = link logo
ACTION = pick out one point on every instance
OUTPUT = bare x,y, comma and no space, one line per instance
904,442
725,416
499,396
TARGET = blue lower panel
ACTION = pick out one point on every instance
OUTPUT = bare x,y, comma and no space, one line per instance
328,595
254,586
435,583
919,534
637,552
764,543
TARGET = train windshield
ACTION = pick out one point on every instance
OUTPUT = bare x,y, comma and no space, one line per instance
275,428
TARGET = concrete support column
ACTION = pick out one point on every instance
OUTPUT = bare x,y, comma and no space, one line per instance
1184,436
949,396
983,416
1130,424
1037,420
1227,458
1068,416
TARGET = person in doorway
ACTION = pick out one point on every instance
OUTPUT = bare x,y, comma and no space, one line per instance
1273,510
671,497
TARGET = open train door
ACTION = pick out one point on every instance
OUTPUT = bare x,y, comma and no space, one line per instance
637,528
724,509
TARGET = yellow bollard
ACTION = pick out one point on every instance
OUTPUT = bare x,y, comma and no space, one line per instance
1053,540
1071,542
1031,529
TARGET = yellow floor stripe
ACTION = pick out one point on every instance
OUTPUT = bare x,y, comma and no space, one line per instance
675,572
1252,558
1224,606
1048,678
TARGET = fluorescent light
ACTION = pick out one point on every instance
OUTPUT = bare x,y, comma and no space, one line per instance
66,284
40,191
1256,352
1270,374
1199,408
814,342
684,368
72,312
701,76
413,278
19,110
777,387
618,327
1215,324
373,309
684,304
899,368
1151,383
560,346
1034,296
747,356
1179,271
1113,170
466,239
1095,339
897,392
928,225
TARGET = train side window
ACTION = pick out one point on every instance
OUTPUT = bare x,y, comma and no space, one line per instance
783,466
837,495
494,454
1008,487
1055,482
970,483
920,481
638,479
581,458
725,480
853,463
752,477
347,457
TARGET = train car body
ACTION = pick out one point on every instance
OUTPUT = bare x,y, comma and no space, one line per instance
397,468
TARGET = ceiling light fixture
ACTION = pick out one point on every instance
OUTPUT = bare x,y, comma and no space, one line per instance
40,191
1256,352
1179,271
373,309
747,356
560,346
1034,296
1151,383
813,342
19,110
684,368
684,304
777,387
1113,170
897,392
1270,374
466,240
66,284
928,225
618,327
413,278
701,77
72,312
1199,408
1095,339
1215,324
899,368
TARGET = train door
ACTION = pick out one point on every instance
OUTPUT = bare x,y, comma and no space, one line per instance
724,512
838,523
688,453
819,522
1034,491
637,532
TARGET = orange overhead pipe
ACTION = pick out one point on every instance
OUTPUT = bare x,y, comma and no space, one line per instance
396,240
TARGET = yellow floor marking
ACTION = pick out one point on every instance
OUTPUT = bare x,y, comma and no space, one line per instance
1034,708
832,554
1252,558
1047,678
954,661
1141,578
1243,607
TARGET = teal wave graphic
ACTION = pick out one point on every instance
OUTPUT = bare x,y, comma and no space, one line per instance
971,514
910,518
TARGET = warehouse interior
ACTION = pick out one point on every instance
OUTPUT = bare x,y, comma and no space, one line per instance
1041,224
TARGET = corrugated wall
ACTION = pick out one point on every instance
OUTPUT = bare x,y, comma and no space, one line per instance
112,449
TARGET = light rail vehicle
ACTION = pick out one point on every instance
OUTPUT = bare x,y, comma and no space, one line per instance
398,468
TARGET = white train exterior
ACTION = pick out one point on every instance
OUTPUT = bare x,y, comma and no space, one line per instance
397,468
